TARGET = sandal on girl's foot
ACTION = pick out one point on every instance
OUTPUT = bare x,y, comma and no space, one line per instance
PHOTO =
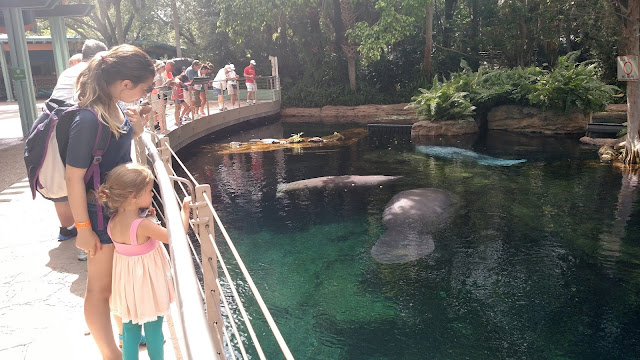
143,340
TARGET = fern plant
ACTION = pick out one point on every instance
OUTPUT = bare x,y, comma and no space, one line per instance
442,102
572,86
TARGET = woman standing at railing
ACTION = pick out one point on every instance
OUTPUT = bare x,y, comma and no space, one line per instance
123,74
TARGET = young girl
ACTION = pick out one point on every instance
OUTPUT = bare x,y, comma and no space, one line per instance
122,74
142,287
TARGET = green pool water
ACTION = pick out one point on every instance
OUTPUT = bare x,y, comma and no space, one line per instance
539,261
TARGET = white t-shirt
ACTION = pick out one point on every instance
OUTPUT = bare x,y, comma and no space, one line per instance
66,86
232,74
219,81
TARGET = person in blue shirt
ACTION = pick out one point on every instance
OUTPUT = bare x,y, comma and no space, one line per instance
122,74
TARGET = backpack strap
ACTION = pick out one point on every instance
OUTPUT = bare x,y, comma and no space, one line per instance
103,138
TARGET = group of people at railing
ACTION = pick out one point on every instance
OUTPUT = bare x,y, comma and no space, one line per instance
188,90
100,216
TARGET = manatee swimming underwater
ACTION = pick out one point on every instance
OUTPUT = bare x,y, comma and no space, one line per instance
455,153
330,182
410,216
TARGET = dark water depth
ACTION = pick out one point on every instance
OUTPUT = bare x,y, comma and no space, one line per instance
539,261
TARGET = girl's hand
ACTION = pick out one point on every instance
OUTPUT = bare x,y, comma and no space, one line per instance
186,202
185,212
137,121
152,211
88,241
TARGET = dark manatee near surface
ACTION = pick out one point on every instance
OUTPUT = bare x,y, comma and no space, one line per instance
410,217
330,182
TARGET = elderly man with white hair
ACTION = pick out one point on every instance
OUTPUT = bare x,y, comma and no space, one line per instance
220,84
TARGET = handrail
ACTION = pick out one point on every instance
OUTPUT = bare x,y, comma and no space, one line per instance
197,335
202,328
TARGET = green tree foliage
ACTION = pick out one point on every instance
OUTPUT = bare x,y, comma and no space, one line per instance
314,38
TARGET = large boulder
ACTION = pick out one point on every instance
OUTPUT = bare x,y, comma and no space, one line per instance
444,128
530,119
410,217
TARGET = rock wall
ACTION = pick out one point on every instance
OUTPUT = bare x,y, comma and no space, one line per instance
529,119
363,114
432,128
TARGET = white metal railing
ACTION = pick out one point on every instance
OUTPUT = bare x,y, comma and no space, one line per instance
209,336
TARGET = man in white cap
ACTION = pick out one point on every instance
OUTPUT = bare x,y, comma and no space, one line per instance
250,77
219,84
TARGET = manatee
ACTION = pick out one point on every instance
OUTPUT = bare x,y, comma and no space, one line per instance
410,217
399,246
455,153
330,182
423,209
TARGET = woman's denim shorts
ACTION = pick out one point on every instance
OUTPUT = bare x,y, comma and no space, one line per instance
93,217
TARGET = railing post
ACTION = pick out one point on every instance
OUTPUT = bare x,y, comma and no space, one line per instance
204,224
165,154
140,151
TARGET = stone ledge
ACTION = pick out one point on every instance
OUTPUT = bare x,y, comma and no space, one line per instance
446,128
365,114
529,119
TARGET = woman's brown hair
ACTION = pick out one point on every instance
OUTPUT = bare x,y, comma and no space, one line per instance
122,62
122,182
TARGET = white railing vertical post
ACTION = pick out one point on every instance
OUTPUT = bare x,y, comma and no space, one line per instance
165,154
203,225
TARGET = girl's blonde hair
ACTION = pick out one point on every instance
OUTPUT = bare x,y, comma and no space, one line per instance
122,62
122,182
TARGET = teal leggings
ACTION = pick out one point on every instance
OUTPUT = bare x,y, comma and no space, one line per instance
131,334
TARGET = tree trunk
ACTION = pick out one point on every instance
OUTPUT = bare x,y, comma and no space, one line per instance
428,43
350,50
119,28
338,26
449,10
475,26
176,28
523,52
631,153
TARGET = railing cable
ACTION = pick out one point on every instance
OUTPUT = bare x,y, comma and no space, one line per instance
247,322
232,322
252,285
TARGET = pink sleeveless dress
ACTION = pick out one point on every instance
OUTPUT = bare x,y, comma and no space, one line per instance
142,284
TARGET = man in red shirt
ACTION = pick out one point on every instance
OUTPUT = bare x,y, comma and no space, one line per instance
250,77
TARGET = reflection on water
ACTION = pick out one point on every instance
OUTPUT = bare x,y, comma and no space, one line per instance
539,260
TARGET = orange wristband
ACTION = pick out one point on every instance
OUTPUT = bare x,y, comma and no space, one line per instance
83,225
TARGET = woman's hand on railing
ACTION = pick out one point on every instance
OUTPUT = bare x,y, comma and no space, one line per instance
88,241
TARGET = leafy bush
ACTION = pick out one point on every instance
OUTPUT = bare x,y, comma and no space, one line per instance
570,86
497,87
442,102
